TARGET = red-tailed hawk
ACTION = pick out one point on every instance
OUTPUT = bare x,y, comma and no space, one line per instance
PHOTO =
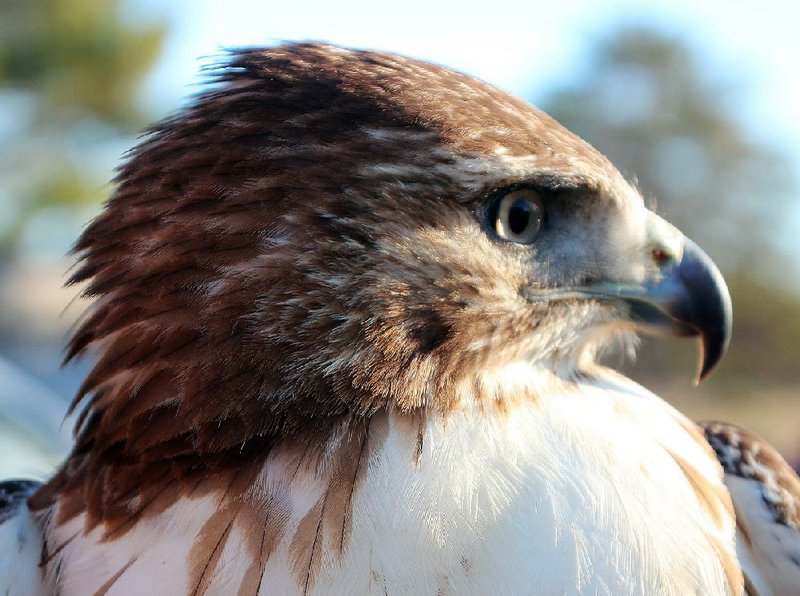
347,309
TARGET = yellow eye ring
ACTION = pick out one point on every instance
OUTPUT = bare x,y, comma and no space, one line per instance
519,215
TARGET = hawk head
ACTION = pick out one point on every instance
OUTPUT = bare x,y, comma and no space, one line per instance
326,233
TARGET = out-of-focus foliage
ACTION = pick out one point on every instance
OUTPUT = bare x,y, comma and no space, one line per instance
70,72
646,102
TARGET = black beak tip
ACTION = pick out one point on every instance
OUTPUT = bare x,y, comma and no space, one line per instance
712,318
710,355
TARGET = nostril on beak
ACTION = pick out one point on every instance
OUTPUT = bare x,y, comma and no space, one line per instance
665,243
661,257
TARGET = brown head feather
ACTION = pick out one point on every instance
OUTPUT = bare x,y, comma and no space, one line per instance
271,263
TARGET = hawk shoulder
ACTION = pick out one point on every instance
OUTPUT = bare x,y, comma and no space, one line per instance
766,497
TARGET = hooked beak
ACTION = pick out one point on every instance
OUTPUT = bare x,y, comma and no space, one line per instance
688,298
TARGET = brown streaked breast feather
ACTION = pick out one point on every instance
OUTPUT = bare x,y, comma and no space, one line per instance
104,589
329,523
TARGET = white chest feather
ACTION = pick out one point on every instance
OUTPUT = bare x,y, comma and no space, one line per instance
599,489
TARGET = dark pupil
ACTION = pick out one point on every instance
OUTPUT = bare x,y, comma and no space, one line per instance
519,215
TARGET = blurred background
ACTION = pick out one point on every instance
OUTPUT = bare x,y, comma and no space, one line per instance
696,101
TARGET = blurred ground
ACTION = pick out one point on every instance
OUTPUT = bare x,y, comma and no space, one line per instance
770,413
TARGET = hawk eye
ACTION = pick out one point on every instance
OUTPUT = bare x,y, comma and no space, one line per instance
517,216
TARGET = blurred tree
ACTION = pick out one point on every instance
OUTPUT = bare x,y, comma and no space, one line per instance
647,102
69,77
